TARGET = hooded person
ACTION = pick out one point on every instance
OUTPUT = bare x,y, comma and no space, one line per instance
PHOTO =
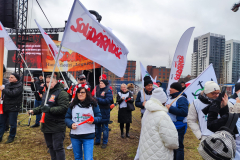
145,94
11,105
159,136
178,110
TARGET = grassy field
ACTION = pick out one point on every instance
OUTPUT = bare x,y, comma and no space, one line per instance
29,143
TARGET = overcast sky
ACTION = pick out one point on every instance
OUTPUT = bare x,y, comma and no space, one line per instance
150,29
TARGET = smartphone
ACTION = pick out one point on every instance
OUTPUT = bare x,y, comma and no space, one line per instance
221,95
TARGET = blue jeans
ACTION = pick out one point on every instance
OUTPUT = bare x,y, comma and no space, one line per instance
38,116
179,153
80,145
12,116
102,127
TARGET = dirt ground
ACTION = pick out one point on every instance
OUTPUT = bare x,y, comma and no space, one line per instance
29,143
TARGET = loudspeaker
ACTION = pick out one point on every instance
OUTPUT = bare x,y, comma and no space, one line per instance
8,13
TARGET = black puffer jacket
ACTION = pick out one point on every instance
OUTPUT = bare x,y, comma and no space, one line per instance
214,123
38,87
55,119
12,97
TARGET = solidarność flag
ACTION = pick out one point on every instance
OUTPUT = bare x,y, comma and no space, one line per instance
85,35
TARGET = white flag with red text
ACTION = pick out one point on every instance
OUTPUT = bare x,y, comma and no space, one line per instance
144,74
85,35
8,43
179,57
195,88
52,46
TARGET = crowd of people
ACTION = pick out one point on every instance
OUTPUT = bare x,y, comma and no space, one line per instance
164,118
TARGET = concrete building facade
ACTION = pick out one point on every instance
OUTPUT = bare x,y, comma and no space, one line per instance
208,48
232,60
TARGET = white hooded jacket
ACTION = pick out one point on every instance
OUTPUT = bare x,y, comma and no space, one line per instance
158,134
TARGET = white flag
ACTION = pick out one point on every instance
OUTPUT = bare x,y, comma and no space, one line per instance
8,43
83,34
189,82
195,88
52,47
144,74
179,57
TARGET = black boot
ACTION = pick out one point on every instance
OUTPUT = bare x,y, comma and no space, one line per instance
122,134
10,140
127,135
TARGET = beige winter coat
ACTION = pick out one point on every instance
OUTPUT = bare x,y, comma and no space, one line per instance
158,134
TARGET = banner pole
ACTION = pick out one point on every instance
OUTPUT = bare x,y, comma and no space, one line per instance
94,76
27,69
52,76
101,72
59,68
1,71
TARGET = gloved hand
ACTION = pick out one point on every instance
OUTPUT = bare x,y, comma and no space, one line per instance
46,109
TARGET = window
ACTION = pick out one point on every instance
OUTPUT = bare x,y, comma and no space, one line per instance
163,77
159,73
163,73
159,77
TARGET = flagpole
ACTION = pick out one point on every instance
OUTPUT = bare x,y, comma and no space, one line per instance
52,76
94,76
59,68
27,69
101,72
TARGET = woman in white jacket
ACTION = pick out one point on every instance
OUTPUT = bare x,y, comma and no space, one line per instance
158,134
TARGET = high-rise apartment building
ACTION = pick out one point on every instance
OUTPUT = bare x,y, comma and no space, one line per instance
162,73
208,48
232,60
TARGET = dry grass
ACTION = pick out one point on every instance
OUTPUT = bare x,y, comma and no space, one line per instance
29,143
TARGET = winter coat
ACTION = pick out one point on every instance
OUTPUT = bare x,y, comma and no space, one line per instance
55,119
12,97
178,110
124,115
214,123
158,134
193,116
69,122
105,99
138,102
37,87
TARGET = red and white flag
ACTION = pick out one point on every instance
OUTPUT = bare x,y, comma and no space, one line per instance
52,46
85,35
179,57
8,43
189,82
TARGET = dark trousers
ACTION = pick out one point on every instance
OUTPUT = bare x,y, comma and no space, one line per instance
179,153
54,143
127,127
38,116
12,117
